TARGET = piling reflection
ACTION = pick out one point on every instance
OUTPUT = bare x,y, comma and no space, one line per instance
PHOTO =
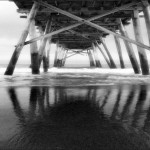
16,105
126,107
139,106
116,106
82,118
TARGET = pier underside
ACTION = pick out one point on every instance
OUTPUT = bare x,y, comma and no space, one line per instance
82,25
82,36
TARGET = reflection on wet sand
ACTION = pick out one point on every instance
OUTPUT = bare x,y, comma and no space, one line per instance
87,118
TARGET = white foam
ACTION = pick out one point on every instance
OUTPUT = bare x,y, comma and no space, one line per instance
73,77
94,70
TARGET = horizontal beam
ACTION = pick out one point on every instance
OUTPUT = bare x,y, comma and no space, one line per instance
64,35
96,21
71,51
99,20
74,41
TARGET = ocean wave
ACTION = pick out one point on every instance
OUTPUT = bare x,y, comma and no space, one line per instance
73,77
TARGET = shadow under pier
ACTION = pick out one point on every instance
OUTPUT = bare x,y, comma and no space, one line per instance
71,121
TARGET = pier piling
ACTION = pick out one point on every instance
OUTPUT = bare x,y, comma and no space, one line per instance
45,63
44,40
59,58
65,57
105,57
118,46
20,45
91,59
129,48
34,50
138,37
97,61
112,63
56,54
48,53
146,11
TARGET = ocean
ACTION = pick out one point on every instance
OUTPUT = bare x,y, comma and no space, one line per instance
74,109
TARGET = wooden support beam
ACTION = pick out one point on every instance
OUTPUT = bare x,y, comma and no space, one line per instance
44,40
88,22
112,63
19,47
97,61
45,67
105,57
129,48
65,57
56,54
48,53
34,50
40,50
146,11
118,46
138,37
91,59
59,57
46,56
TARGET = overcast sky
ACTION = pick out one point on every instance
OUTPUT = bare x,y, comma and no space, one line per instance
11,27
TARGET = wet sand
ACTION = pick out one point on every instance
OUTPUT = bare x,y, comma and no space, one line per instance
89,117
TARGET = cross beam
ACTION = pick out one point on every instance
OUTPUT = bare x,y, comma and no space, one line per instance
82,21
88,22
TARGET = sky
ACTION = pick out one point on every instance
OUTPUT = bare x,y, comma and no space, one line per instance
11,27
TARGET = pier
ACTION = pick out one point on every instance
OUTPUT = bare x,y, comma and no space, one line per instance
79,27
